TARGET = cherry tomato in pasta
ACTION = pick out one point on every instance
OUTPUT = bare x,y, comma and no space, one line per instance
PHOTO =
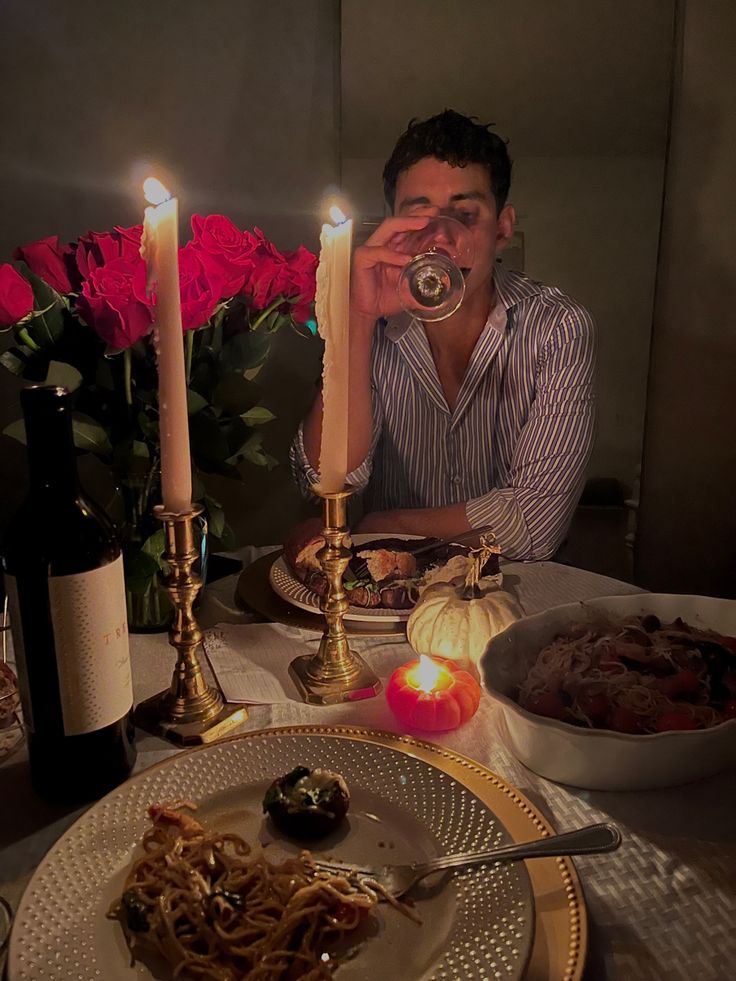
729,709
611,664
547,704
678,685
594,705
672,721
622,719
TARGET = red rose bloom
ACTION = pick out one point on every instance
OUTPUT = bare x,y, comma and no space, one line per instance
201,286
291,274
270,274
227,247
16,296
111,302
97,248
303,282
129,240
49,260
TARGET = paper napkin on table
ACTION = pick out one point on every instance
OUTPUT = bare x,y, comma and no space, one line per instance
251,661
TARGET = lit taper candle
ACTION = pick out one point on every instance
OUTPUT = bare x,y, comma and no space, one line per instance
333,315
160,249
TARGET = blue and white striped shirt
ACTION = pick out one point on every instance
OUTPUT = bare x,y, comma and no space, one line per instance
515,446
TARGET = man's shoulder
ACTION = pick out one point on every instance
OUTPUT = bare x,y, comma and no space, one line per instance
549,306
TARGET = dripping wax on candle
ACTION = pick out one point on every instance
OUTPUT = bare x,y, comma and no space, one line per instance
332,307
160,249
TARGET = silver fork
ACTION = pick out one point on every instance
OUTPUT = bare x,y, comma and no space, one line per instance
398,879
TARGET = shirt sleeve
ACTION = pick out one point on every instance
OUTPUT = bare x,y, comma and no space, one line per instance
531,514
304,473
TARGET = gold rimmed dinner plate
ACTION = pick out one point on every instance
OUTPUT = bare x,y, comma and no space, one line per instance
410,800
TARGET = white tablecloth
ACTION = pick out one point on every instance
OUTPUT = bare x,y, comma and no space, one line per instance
661,908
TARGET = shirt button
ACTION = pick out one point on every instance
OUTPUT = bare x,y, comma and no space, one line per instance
456,479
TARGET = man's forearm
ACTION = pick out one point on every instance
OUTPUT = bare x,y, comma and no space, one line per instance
443,522
360,409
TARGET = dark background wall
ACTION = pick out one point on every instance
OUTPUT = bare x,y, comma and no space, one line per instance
255,110
687,527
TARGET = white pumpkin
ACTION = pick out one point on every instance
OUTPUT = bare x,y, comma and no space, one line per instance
457,621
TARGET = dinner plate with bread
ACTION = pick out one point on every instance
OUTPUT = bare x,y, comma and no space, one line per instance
385,577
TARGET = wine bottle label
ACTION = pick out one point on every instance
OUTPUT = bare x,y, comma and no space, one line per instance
16,628
90,626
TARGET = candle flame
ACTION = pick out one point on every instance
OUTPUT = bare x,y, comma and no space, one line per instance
337,215
427,673
154,191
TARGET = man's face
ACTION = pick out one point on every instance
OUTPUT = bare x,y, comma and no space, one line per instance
432,187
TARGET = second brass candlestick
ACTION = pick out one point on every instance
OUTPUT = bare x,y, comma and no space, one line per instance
335,673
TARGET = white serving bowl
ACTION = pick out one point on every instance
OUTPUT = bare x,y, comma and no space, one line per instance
599,759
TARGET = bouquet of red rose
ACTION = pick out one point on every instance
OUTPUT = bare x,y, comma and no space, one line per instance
81,317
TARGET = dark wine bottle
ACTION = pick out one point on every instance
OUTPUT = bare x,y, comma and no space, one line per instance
64,578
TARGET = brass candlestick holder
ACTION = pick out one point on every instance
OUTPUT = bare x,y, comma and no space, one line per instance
335,673
190,711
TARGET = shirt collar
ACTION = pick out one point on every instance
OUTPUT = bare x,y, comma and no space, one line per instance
512,287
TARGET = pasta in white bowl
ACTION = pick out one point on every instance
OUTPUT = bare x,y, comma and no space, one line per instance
622,720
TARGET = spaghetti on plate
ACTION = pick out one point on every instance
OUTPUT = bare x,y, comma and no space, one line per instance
214,909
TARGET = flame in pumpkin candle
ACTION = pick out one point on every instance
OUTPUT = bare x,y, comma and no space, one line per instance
154,191
337,216
427,673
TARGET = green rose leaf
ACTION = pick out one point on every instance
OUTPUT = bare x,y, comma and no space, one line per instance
154,547
215,517
132,457
149,428
257,416
198,492
146,396
235,394
252,451
14,364
218,526
205,373
63,374
140,571
195,402
16,430
246,350
227,539
46,325
90,435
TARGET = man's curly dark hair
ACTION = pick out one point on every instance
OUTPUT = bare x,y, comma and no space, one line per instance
456,139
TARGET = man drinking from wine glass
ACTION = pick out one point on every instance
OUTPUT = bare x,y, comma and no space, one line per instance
486,417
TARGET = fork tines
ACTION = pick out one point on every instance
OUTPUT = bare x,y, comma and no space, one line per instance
336,868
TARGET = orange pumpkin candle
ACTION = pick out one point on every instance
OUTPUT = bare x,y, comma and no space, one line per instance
432,694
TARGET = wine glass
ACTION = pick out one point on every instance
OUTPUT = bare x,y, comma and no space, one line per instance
431,287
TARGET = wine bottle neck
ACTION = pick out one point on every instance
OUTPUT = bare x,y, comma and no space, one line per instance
51,458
